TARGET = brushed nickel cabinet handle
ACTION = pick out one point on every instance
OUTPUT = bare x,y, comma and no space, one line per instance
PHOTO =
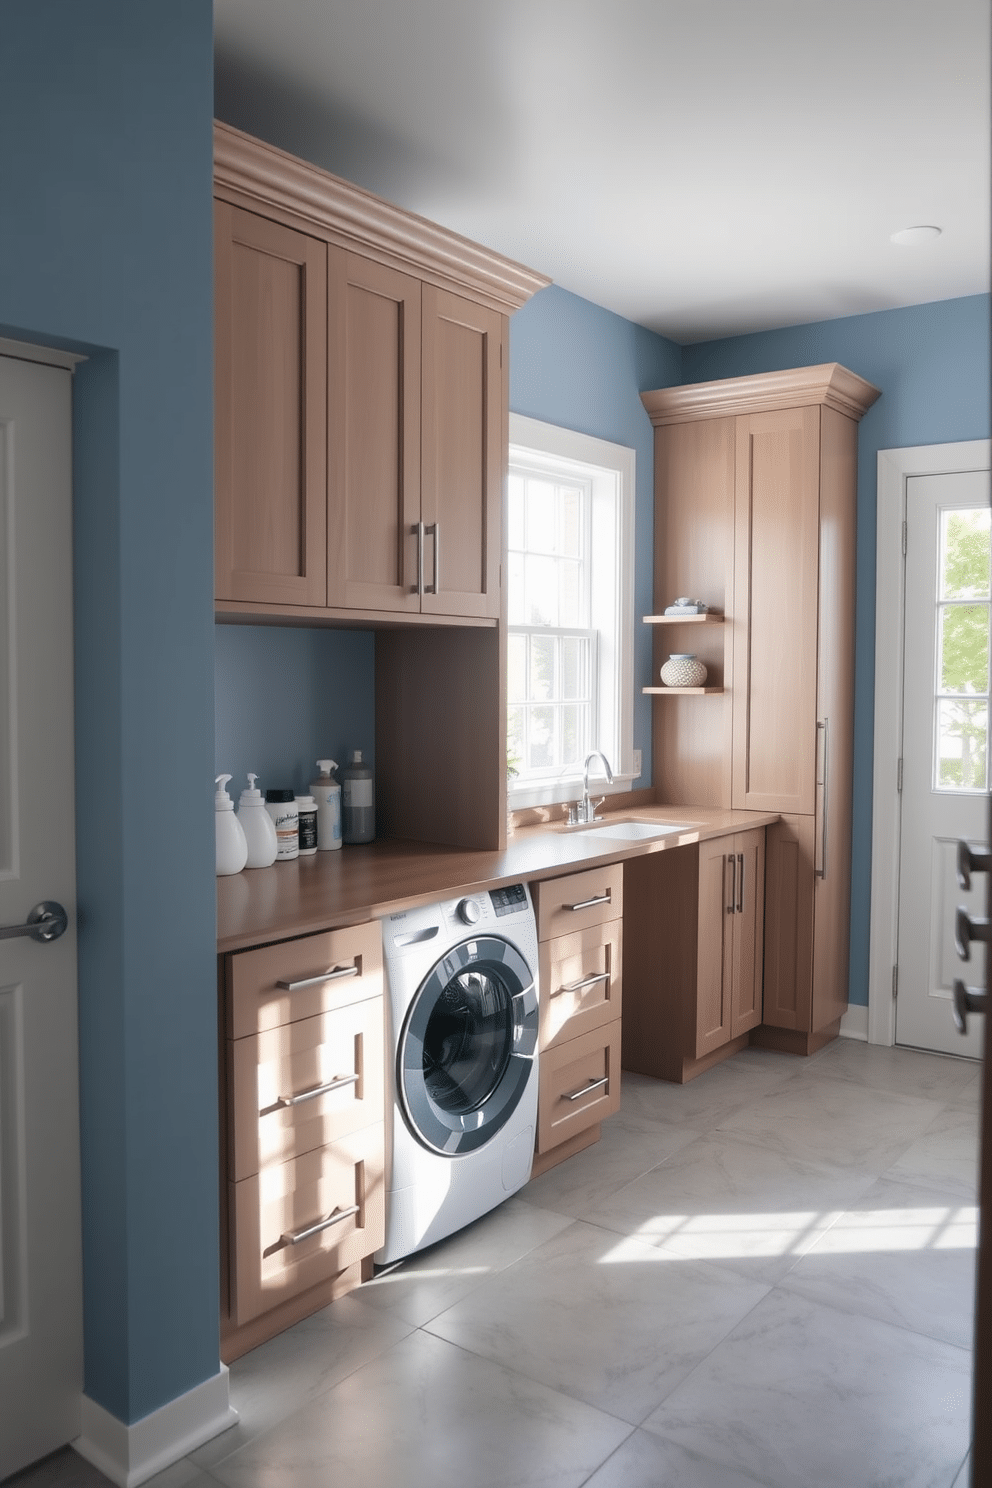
419,529
593,1085
308,1095
589,981
733,883
820,853
966,1000
434,530
740,884
293,1237
966,930
970,861
588,903
327,976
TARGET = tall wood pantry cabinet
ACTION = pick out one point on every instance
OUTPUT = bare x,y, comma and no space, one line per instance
361,447
755,511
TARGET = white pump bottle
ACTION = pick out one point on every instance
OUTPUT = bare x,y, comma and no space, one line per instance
259,828
232,848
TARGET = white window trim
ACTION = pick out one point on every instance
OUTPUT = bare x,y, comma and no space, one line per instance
562,445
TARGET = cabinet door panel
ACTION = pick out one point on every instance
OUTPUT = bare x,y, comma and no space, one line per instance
579,1085
288,1199
749,923
714,954
788,950
464,454
271,411
373,435
580,982
342,1049
775,610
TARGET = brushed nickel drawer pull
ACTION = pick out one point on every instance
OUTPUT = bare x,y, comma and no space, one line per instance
588,903
589,981
293,1237
328,976
587,1089
307,1095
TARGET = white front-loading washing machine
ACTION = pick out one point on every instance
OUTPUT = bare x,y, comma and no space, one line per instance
461,1049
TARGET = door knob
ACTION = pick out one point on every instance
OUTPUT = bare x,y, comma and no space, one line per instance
47,921
966,1000
966,930
971,861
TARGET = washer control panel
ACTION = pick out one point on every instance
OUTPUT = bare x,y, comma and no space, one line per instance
509,900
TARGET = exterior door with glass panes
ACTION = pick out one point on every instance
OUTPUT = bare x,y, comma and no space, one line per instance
945,776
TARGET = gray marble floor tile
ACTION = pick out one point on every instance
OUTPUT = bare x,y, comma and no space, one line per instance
902,1254
602,1317
905,1071
971,1094
803,1396
712,1096
428,1415
628,1147
945,1155
834,1121
62,1469
273,1381
432,1280
645,1460
735,1202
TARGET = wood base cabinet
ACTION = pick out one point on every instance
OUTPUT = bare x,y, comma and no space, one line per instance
693,923
755,513
579,920
303,1117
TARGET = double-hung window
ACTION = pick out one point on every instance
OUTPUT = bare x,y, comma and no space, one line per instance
570,608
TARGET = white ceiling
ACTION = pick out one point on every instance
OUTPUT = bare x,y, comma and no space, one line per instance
702,167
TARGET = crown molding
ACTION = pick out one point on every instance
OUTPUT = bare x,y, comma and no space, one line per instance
254,173
829,383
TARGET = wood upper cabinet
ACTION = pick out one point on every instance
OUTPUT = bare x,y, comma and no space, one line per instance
755,513
373,436
270,410
362,396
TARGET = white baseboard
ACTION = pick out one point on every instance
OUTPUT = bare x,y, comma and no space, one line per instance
854,1023
129,1455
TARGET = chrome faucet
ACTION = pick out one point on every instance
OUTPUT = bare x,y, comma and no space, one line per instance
581,812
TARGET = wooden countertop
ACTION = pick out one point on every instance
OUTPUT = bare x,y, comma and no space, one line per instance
361,883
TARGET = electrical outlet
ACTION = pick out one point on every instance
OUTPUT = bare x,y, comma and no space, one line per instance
637,763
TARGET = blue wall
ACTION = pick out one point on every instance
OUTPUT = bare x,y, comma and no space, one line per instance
106,248
286,698
932,365
574,364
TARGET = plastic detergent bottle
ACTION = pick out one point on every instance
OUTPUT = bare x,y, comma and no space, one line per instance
232,849
357,800
259,828
327,793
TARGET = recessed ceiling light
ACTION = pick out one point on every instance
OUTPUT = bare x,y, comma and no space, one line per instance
912,237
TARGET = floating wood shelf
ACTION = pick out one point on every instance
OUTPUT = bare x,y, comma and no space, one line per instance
681,691
706,619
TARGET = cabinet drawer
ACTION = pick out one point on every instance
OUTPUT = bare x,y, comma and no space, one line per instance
580,1085
579,900
288,1200
273,1075
580,982
299,978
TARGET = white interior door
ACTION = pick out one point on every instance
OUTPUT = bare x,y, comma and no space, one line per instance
944,749
40,1265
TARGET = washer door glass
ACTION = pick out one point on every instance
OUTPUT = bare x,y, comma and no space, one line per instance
467,1049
